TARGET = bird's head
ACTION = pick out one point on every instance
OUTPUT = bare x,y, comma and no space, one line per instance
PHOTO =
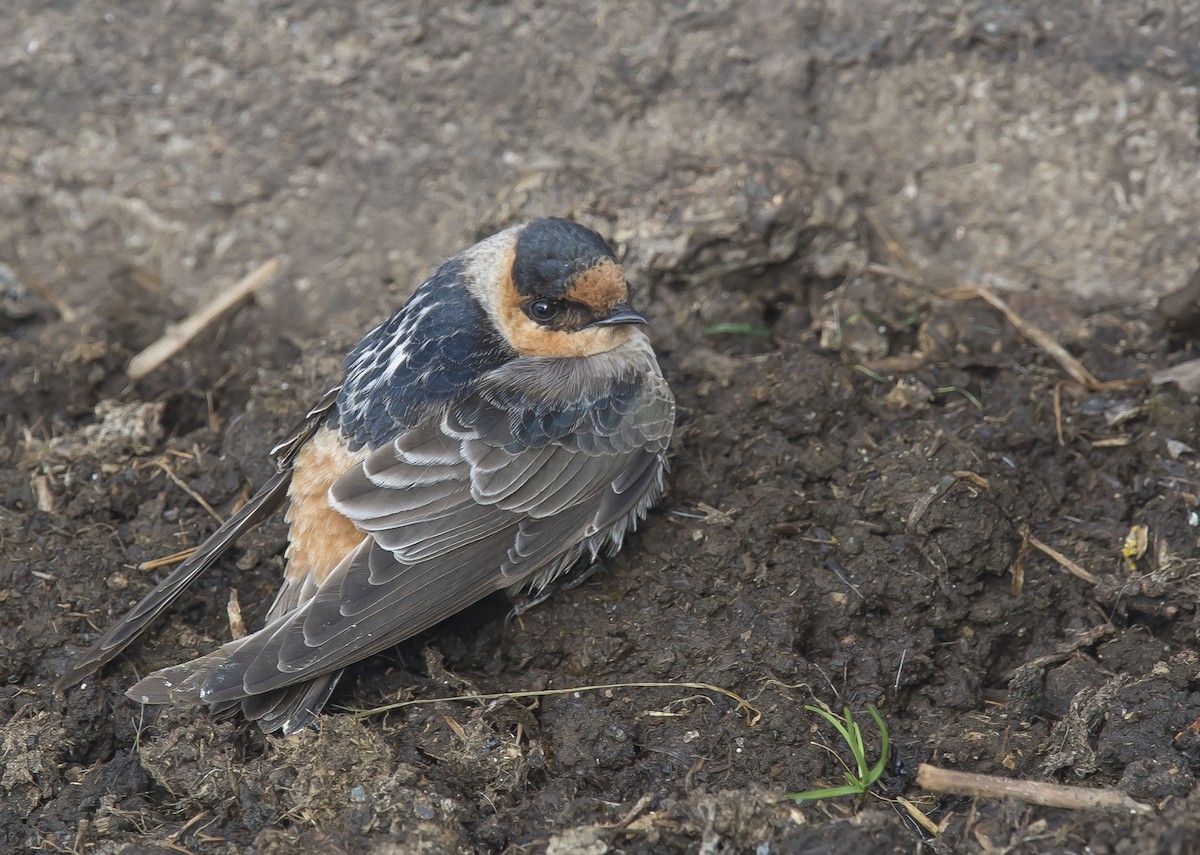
554,288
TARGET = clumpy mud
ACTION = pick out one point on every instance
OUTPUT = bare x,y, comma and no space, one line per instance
865,463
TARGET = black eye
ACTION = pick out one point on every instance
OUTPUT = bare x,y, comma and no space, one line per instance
543,310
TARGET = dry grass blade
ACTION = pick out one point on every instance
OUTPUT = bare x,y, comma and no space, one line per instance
178,335
911,270
166,560
752,713
1039,337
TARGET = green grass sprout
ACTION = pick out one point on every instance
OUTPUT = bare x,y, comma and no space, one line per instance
858,783
944,390
874,375
738,329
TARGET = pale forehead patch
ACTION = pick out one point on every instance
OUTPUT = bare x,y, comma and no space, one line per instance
489,262
488,267
600,287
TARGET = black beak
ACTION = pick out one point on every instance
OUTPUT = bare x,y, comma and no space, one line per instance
620,314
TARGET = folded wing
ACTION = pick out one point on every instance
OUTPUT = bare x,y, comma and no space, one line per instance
492,493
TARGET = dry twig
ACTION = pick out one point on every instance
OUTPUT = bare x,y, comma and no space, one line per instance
1063,561
919,816
1036,792
233,610
1039,337
178,335
60,305
182,485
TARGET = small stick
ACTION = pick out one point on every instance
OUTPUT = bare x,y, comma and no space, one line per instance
237,626
633,813
60,305
1058,413
81,831
182,485
896,251
1063,561
178,335
1049,795
1041,338
919,816
1018,568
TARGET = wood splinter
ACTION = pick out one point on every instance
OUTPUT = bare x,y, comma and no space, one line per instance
1035,792
178,335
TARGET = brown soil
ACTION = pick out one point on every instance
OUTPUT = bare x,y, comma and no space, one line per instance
860,469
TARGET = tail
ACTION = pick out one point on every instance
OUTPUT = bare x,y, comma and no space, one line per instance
289,708
125,631
265,502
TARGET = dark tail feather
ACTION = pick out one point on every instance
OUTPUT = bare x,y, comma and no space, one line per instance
289,708
133,624
180,684
292,708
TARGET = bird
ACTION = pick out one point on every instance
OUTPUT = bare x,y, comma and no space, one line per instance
509,422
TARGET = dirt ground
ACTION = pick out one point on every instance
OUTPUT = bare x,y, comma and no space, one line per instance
864,464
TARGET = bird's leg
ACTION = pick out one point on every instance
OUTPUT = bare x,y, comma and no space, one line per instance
578,574
568,581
